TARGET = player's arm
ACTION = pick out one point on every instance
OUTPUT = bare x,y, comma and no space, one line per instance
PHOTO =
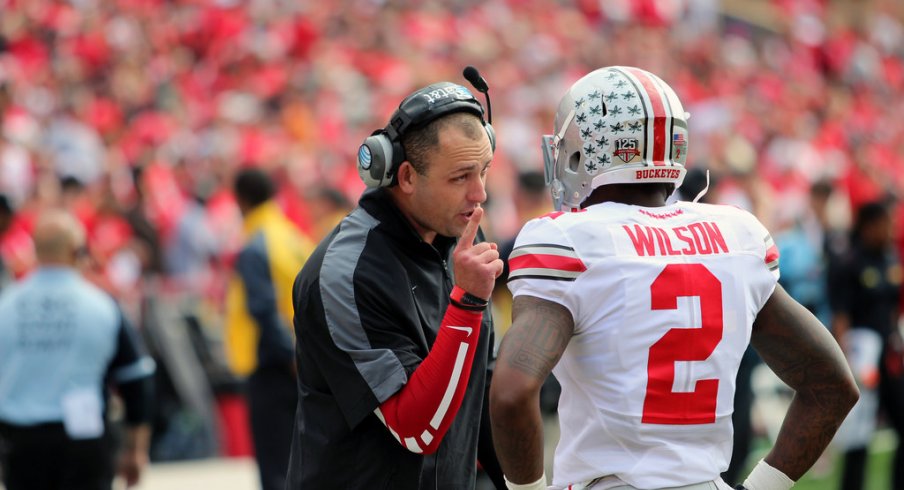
538,336
841,325
799,349
419,414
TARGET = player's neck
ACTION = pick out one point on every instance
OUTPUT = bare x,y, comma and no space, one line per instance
645,201
628,194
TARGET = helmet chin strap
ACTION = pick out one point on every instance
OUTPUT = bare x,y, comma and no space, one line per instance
561,134
703,192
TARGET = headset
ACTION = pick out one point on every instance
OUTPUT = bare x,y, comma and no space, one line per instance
381,153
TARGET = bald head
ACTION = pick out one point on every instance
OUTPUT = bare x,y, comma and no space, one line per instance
58,237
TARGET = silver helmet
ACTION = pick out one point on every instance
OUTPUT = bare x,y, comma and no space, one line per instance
616,125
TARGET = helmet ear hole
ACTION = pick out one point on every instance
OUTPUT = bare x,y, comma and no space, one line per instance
574,161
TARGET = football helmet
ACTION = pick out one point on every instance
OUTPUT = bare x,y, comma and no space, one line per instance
615,125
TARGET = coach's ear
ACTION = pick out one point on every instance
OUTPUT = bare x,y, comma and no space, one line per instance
407,176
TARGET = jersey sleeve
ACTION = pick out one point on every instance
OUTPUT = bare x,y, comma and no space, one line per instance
763,244
544,263
756,240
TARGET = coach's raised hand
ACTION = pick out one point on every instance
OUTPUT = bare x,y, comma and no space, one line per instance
477,265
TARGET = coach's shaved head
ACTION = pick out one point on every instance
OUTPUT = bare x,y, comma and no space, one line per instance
58,236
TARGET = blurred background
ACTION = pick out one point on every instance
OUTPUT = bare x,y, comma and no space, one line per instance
136,114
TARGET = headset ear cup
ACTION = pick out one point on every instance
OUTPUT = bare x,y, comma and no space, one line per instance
375,160
491,133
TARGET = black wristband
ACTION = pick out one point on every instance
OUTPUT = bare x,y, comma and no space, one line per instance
740,486
467,301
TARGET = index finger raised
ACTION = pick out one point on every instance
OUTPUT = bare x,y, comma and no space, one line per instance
467,237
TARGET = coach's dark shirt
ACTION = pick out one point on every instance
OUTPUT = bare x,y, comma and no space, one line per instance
368,305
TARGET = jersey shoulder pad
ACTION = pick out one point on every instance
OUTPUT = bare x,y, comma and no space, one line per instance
753,235
543,250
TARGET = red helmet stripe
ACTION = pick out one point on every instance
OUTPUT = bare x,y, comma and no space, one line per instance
660,139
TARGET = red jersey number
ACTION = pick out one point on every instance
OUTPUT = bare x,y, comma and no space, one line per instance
661,404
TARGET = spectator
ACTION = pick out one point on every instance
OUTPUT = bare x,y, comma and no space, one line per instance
87,88
146,237
327,207
6,219
804,243
62,341
259,335
865,286
193,246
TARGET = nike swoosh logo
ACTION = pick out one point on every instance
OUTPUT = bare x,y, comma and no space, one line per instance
466,330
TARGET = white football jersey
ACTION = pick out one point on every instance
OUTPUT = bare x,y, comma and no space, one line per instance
663,300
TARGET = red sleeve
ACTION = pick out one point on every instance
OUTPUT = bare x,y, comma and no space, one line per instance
421,412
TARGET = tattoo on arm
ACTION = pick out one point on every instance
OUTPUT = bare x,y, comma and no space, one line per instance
541,331
796,346
803,354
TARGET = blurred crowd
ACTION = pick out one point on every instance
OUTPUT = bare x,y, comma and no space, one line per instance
136,114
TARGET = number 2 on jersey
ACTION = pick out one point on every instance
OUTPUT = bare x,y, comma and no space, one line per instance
662,405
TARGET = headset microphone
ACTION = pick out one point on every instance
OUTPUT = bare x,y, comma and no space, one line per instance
472,75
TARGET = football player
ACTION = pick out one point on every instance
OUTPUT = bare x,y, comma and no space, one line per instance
643,311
